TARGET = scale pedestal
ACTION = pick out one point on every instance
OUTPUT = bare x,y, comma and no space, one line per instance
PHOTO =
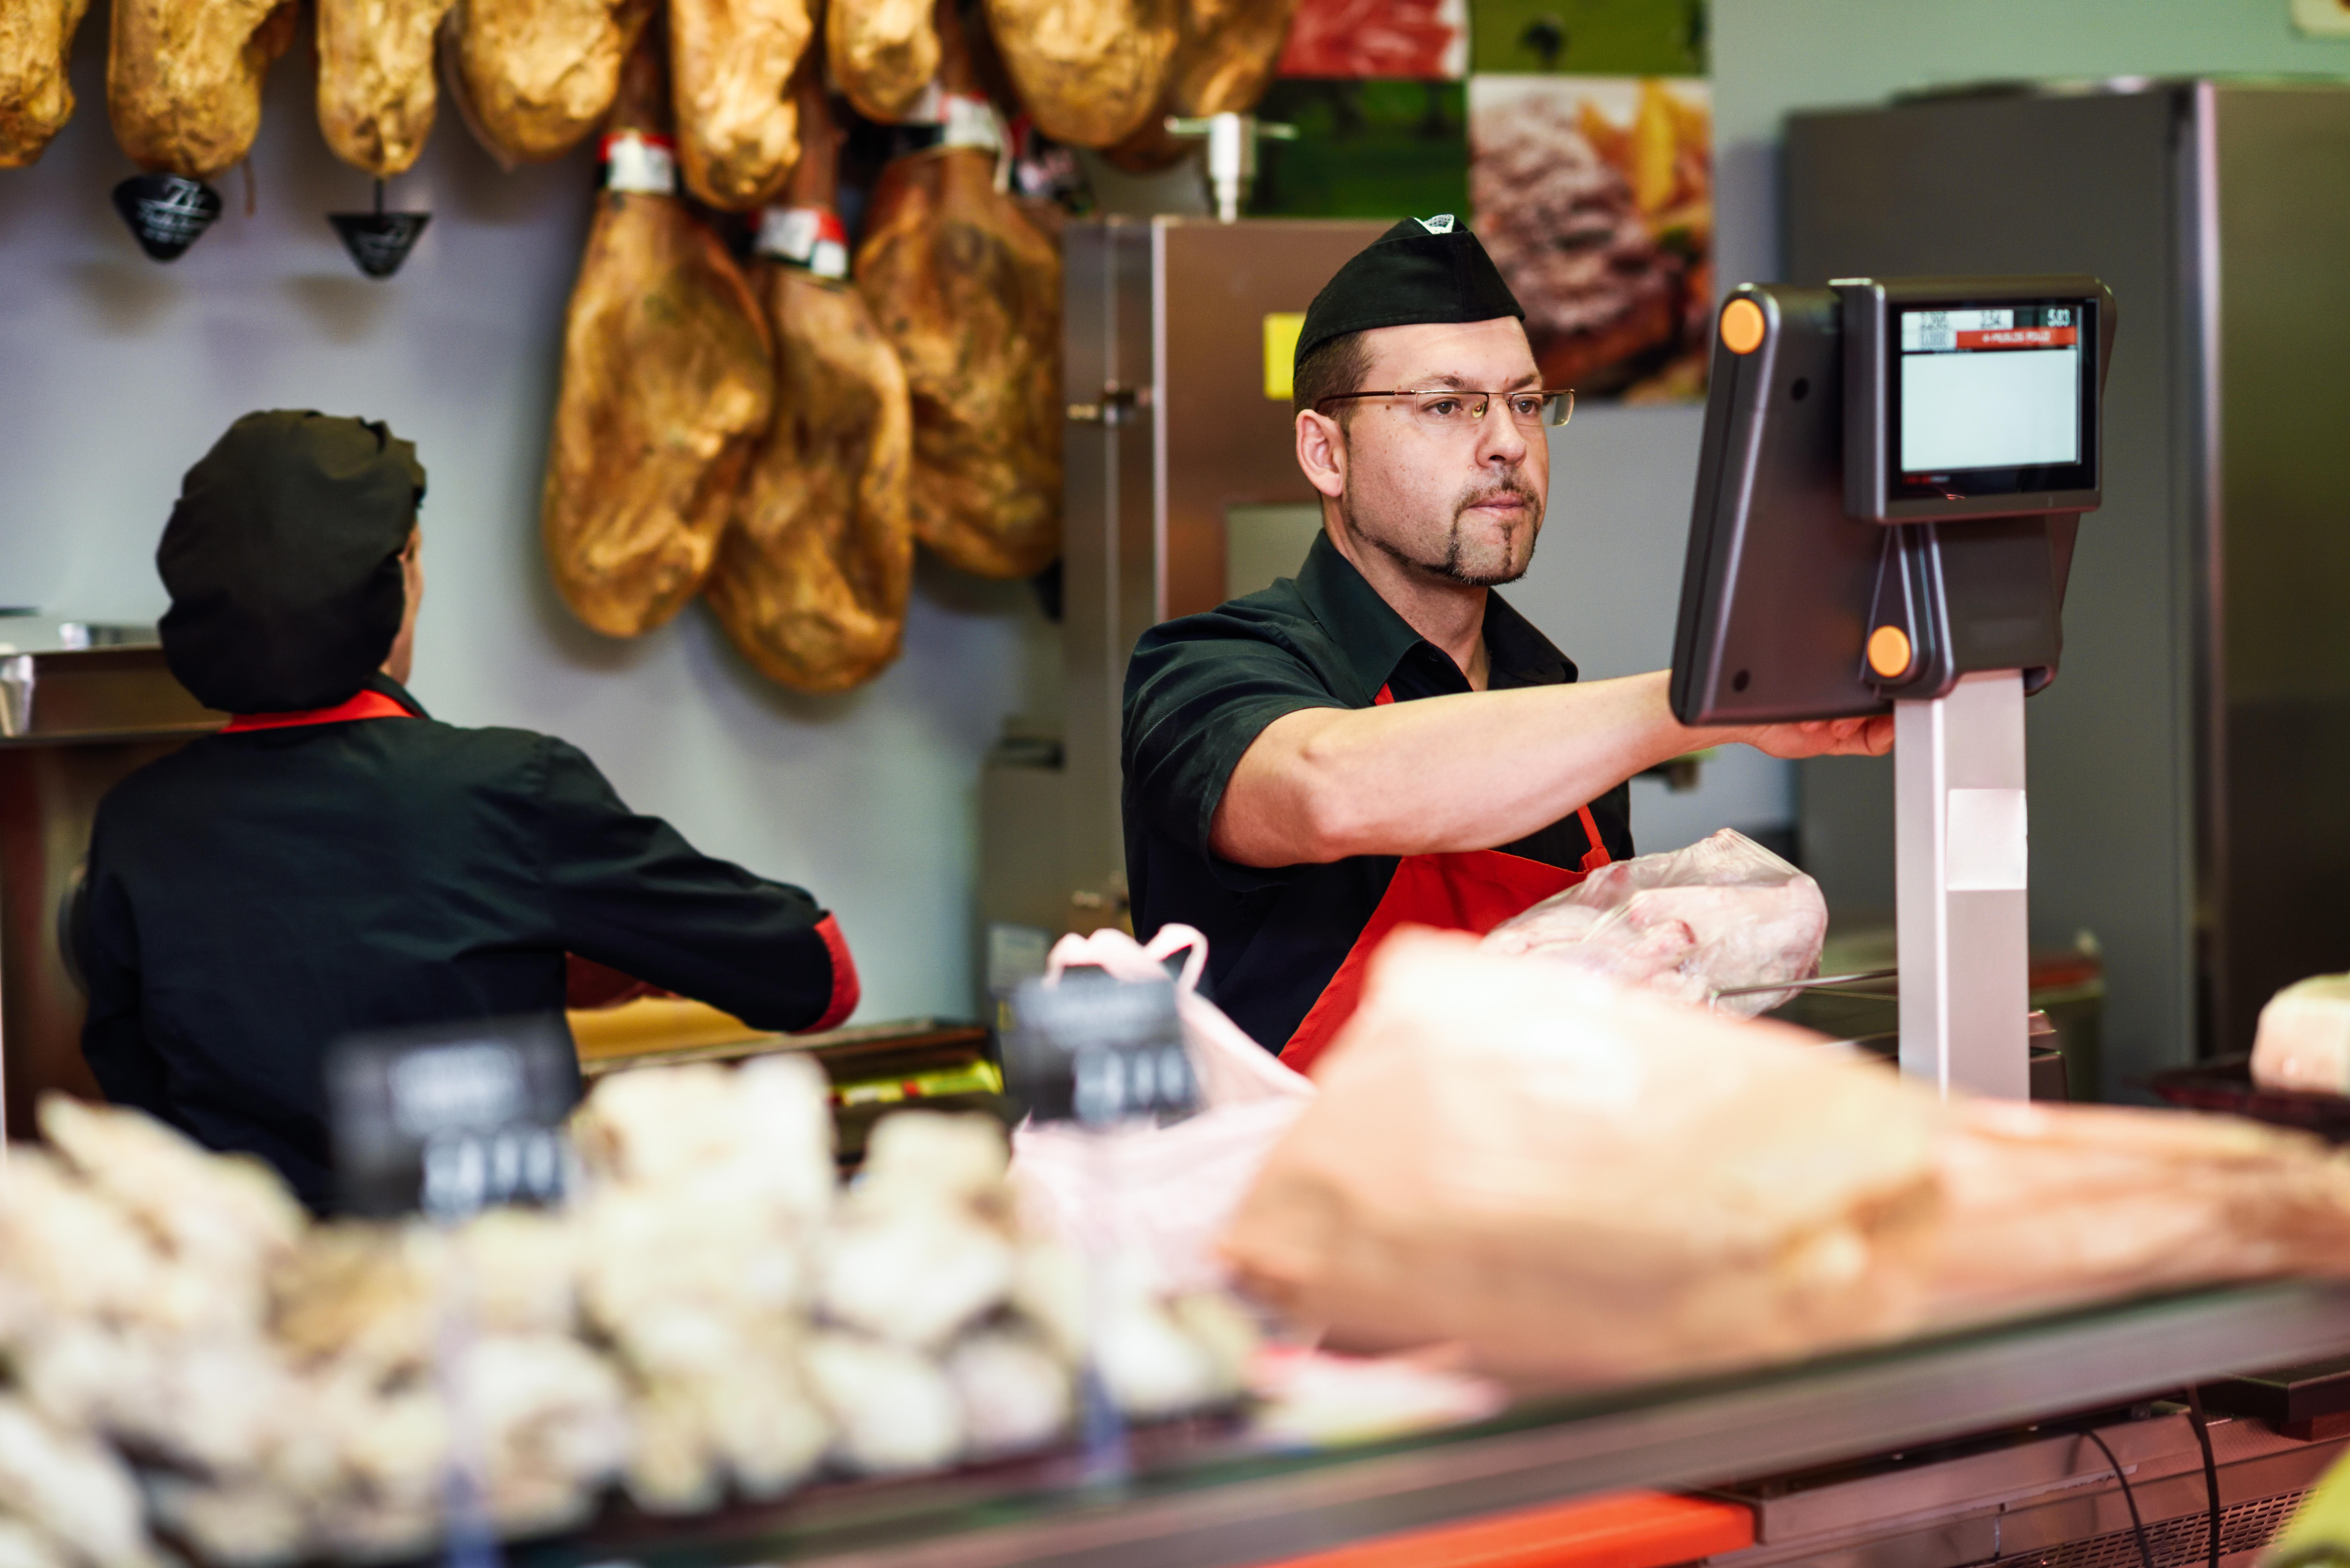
1961,906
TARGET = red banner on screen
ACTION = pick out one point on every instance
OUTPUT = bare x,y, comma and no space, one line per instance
2021,338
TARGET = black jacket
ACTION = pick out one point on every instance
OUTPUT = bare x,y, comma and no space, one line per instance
254,897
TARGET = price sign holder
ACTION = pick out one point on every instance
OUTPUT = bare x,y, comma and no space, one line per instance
1101,1054
446,1121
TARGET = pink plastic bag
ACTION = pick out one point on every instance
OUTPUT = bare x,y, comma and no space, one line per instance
1160,1197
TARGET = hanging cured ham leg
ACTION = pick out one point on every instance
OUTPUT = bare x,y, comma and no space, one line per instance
183,80
534,77
1223,65
1091,71
730,66
36,100
667,385
813,573
375,89
882,52
969,293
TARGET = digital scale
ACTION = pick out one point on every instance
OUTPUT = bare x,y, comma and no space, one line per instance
1892,474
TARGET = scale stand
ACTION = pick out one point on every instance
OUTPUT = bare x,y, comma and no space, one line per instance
1962,911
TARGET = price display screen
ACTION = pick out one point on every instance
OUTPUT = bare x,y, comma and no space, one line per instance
1991,399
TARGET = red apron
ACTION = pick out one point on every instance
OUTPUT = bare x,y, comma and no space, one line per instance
1465,890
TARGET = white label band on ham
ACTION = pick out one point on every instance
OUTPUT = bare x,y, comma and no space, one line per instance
636,161
970,123
811,237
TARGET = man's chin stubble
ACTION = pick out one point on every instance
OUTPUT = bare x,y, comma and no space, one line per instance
1450,570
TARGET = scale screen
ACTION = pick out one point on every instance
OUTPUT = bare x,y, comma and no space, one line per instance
1990,400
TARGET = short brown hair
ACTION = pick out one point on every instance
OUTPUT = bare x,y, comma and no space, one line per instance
1332,371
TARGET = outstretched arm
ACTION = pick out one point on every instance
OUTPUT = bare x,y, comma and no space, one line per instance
1469,771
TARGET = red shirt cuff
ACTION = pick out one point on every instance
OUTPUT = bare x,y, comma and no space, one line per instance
845,993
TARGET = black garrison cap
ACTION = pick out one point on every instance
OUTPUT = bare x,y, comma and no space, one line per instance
1423,269
283,561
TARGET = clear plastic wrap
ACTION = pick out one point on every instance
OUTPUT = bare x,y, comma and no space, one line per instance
1722,915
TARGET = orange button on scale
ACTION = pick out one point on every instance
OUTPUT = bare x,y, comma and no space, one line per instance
1743,326
1888,651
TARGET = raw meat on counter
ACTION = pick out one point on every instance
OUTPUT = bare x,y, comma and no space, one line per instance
737,123
534,77
376,92
1723,914
710,1317
968,291
1582,1184
2303,1039
813,570
668,384
884,53
1091,71
35,99
184,79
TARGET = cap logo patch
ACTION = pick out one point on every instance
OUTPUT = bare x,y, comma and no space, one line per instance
1440,224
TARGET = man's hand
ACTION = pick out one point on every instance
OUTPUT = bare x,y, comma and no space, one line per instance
1870,737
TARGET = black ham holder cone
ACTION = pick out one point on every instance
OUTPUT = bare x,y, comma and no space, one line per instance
167,212
378,240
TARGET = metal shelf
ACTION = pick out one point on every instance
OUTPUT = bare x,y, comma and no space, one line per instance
1215,1504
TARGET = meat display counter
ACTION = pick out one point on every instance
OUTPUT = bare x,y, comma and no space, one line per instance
1200,1498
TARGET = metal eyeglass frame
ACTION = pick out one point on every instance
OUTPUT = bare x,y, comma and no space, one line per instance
1549,395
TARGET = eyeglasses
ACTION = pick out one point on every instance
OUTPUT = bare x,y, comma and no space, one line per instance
1447,409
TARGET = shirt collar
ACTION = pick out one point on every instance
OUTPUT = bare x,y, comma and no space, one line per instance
1375,639
392,689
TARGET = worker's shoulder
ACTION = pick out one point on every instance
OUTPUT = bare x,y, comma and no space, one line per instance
1272,622
491,751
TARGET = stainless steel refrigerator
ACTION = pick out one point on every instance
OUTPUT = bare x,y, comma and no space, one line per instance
2187,768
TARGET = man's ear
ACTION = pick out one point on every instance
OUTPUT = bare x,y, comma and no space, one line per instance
1322,452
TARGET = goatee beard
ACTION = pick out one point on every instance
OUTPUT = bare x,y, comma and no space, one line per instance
1452,568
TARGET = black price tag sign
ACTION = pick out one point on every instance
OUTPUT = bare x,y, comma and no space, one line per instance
452,1119
1098,1051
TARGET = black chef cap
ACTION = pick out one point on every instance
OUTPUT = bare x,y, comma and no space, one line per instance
283,561
1423,269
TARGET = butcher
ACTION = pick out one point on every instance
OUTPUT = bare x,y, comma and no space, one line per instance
337,861
1383,740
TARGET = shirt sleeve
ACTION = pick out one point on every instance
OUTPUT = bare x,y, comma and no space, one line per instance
1198,691
628,891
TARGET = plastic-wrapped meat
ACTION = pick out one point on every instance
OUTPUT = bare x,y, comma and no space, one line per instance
1721,915
35,99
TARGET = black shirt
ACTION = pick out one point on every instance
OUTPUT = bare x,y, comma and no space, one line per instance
254,897
1201,689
